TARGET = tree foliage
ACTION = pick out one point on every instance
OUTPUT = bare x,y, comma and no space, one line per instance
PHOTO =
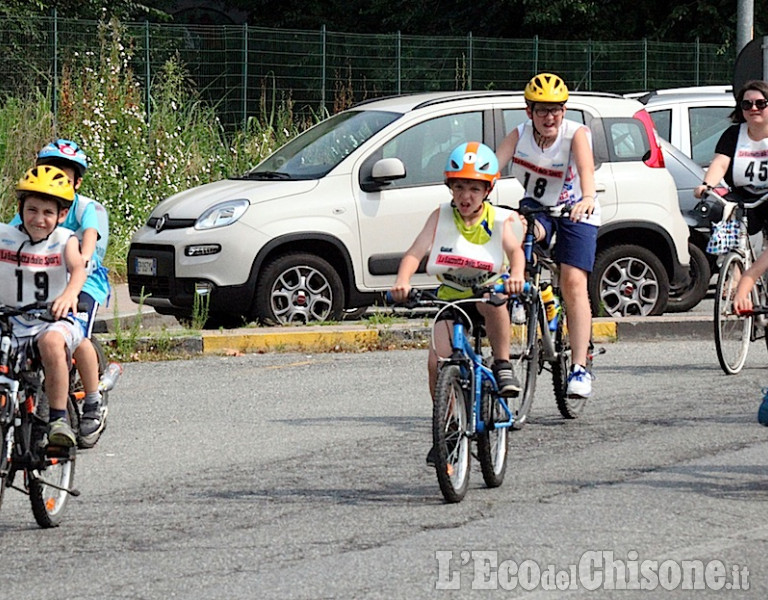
86,9
664,20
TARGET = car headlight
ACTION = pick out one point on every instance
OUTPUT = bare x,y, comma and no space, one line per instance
222,214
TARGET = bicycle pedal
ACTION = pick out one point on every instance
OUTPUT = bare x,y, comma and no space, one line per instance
61,452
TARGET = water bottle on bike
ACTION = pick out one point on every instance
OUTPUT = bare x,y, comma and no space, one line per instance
551,306
110,376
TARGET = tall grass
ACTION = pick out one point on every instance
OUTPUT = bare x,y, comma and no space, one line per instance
139,155
26,125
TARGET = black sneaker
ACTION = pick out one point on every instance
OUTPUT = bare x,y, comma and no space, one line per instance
92,424
505,378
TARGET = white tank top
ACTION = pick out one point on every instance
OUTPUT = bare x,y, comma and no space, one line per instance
32,272
750,163
549,175
459,263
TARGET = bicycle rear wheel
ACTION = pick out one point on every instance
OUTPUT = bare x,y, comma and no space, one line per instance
732,332
48,502
449,434
570,407
524,356
492,443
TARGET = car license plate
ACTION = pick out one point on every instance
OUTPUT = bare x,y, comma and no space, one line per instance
146,266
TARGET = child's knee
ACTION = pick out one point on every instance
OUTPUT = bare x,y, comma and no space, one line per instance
51,344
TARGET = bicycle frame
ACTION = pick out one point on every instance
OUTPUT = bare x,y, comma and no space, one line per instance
534,263
464,353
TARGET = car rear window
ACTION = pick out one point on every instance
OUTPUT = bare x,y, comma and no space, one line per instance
627,139
707,125
662,120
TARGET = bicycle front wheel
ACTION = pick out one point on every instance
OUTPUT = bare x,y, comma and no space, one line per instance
449,434
524,356
732,332
48,502
492,443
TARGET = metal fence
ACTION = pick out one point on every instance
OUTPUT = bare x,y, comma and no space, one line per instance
238,67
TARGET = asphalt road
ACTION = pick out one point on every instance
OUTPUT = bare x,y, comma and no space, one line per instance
293,476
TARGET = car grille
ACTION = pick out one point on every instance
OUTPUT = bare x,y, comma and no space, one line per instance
158,286
168,223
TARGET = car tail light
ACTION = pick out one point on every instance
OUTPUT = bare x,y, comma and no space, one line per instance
655,158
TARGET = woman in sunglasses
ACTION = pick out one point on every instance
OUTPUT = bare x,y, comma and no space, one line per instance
741,154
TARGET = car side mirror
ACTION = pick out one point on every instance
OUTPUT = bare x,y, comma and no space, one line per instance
383,172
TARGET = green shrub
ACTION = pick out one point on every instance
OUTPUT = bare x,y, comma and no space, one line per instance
139,155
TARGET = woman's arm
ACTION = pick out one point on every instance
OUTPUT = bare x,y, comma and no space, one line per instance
715,173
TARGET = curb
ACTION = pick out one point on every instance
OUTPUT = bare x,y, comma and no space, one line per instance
348,338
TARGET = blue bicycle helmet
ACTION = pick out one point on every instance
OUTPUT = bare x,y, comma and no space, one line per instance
473,160
66,153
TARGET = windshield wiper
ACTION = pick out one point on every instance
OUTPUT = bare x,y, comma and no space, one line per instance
264,175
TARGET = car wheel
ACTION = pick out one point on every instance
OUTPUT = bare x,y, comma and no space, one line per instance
299,288
355,314
628,280
685,298
215,322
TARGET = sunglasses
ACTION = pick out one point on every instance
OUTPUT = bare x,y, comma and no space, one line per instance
748,104
543,112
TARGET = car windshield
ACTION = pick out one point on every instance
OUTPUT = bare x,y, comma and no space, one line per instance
315,152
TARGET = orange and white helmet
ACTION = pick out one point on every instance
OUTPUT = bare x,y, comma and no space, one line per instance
473,160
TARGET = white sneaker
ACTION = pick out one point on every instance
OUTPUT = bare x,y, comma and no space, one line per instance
579,382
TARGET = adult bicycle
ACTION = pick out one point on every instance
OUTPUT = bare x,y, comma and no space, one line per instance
45,473
540,343
733,331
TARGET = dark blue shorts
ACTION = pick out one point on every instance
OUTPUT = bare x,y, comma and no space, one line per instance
87,317
575,243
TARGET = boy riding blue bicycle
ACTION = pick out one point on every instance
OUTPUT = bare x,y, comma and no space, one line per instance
469,242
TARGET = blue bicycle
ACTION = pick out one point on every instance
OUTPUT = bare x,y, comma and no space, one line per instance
467,405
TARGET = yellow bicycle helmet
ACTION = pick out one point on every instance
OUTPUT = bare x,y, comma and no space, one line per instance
546,87
48,181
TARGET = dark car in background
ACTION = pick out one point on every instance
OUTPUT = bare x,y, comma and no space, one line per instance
687,175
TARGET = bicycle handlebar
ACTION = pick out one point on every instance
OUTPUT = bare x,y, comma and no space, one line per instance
36,310
418,297
755,310
719,195
561,210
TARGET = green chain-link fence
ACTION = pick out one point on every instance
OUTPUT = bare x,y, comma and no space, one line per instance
236,68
